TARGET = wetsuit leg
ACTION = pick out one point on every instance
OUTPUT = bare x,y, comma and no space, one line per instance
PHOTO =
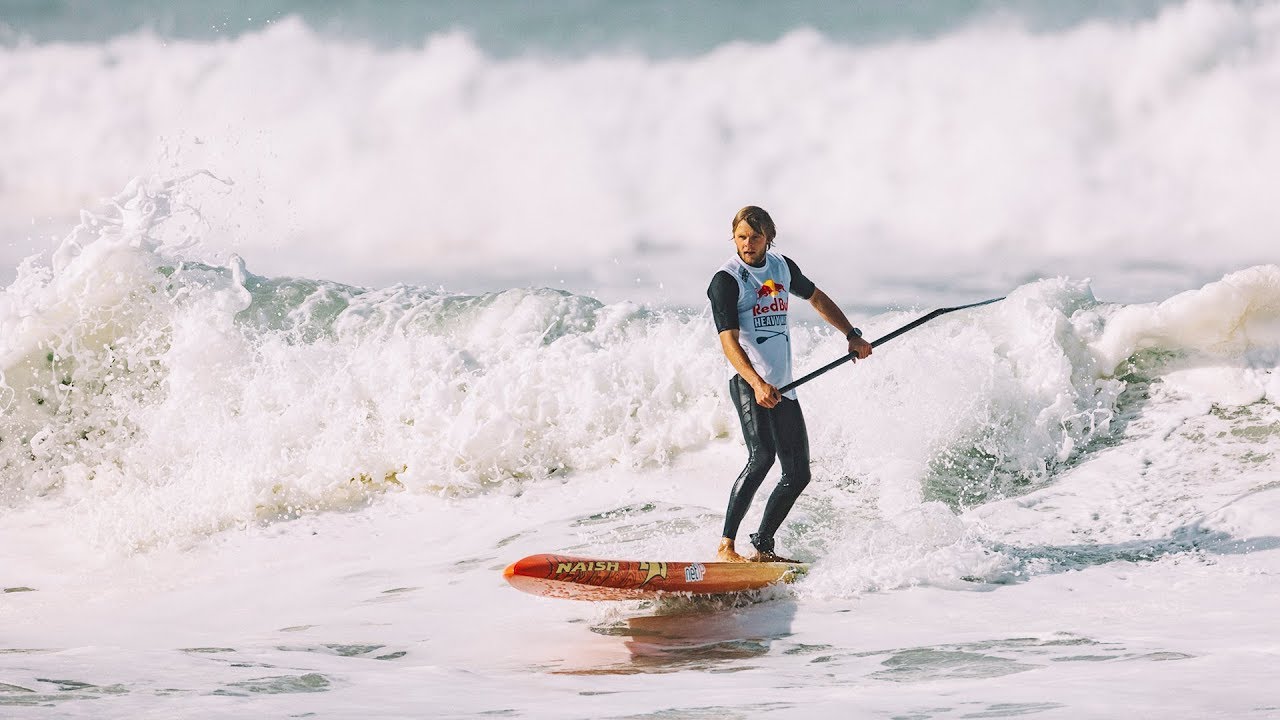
757,430
791,439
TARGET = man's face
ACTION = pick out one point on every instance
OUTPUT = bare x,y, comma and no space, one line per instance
750,244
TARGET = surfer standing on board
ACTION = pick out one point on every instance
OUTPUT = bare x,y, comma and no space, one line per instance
749,297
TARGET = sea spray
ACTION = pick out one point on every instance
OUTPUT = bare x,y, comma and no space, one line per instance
162,397
1131,151
157,394
964,420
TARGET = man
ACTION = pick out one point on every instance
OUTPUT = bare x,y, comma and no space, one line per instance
749,298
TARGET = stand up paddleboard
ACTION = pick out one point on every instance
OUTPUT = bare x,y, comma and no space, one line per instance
577,578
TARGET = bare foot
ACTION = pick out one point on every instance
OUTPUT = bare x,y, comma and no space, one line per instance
726,553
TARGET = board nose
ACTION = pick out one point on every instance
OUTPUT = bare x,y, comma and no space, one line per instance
538,566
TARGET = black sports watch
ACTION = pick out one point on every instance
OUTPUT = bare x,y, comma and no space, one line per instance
852,334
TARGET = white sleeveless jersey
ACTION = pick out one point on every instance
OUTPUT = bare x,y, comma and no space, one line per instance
763,332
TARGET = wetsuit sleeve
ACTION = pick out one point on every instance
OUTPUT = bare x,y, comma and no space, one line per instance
723,292
801,286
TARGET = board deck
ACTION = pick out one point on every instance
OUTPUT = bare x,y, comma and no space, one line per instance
578,578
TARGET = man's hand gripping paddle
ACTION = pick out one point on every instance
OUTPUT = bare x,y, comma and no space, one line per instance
904,329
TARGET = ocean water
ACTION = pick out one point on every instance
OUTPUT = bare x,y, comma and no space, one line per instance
315,316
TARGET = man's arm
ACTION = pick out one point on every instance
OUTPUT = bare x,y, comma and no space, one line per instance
766,394
827,308
832,313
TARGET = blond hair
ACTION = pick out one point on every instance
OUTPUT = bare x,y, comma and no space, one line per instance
757,219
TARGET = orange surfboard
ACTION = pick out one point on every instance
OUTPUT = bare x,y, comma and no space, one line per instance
577,578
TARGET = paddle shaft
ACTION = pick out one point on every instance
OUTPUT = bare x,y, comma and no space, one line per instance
880,341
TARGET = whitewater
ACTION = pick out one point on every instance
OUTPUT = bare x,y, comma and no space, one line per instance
304,339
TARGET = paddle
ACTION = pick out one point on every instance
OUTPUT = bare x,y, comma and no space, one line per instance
905,328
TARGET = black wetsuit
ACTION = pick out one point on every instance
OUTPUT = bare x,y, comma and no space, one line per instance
769,432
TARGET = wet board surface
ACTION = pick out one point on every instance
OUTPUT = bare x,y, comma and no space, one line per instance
579,578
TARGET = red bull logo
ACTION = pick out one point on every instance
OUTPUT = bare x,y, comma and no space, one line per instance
770,288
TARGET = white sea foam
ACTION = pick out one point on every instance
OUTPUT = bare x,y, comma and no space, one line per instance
1130,151
159,397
